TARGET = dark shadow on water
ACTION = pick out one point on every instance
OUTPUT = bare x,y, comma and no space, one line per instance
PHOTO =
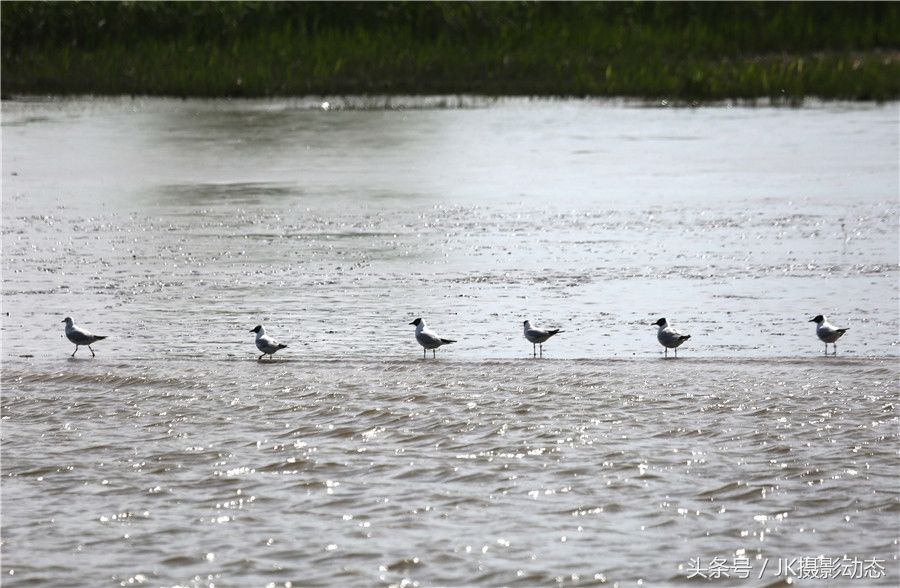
230,192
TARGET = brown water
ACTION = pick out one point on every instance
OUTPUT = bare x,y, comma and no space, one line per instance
174,458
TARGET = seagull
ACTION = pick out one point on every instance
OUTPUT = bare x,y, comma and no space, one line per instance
264,343
428,339
669,337
827,332
80,336
537,336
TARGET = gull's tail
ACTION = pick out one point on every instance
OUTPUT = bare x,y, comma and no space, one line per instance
684,337
98,337
842,331
445,341
281,345
555,331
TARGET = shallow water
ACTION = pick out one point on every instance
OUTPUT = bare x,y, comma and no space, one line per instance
175,458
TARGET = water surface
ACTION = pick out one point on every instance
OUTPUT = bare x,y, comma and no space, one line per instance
175,458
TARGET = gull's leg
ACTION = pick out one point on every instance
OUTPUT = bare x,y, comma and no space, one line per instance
826,349
542,350
835,347
676,352
424,352
533,350
434,354
76,351
667,352
260,357
92,351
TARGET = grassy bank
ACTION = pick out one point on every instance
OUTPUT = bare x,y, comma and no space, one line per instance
686,51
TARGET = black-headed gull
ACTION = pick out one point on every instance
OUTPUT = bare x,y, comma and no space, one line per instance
827,332
428,339
668,337
80,336
537,337
264,343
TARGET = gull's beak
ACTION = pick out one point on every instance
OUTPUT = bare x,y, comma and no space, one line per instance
62,321
409,323
812,320
252,330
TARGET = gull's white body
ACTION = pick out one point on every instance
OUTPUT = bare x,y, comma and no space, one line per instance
827,332
265,343
80,336
427,338
669,337
538,336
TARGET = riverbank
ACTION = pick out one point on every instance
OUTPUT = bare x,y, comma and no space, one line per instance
677,51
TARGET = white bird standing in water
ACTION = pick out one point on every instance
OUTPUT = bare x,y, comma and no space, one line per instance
264,343
668,337
537,337
80,336
827,332
428,339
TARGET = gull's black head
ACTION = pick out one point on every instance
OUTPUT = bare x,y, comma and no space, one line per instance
256,329
67,320
416,322
817,319
660,322
526,323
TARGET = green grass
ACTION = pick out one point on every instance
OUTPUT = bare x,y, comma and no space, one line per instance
679,51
